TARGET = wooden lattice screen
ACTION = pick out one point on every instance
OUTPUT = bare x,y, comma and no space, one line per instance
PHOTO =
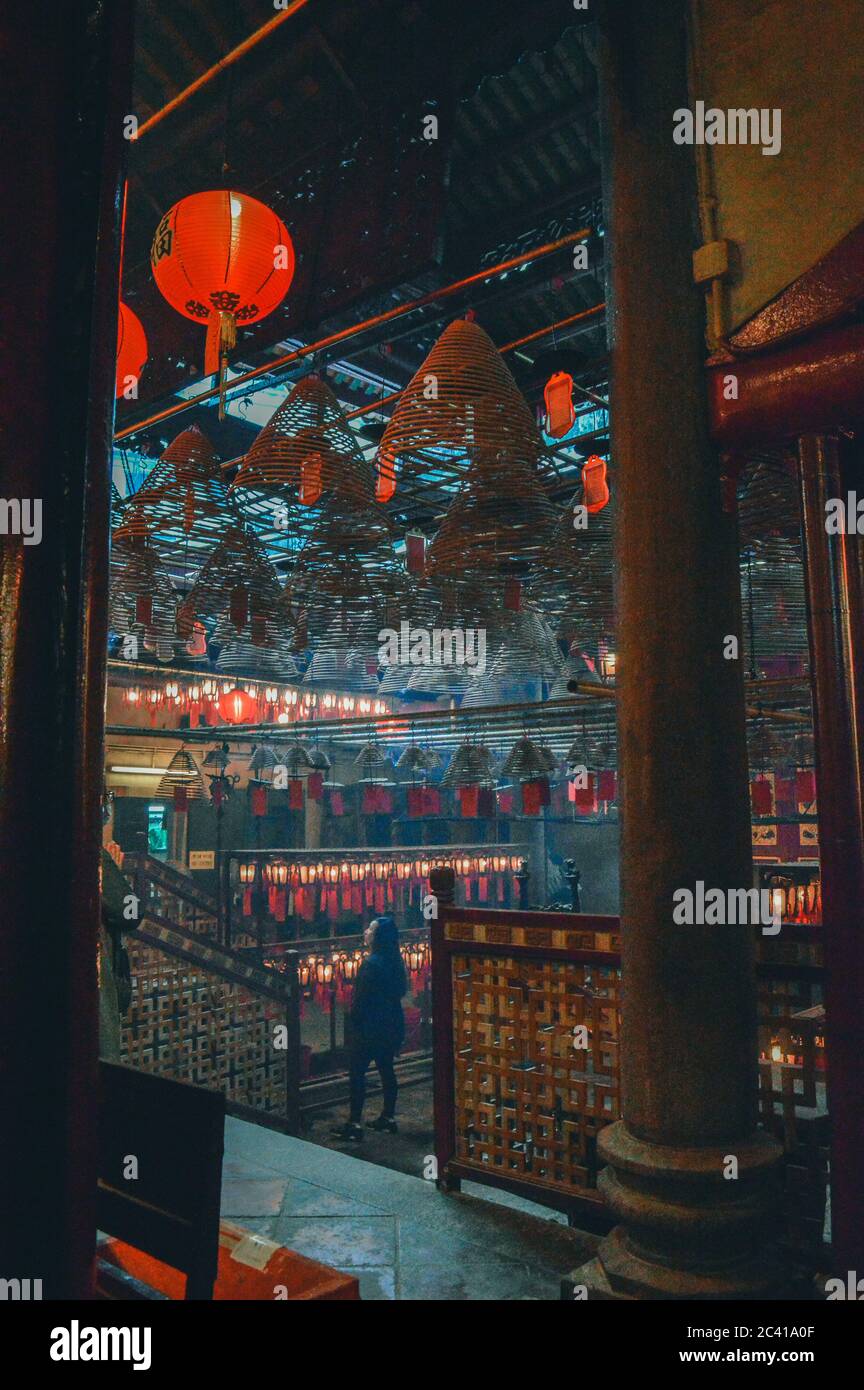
200,1014
518,1104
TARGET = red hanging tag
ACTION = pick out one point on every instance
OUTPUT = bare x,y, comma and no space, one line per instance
761,798
310,480
607,786
805,786
558,395
415,801
238,607
486,801
369,801
596,489
144,610
181,799
415,552
513,595
583,798
259,630
259,801
469,798
315,786
431,801
337,804
295,794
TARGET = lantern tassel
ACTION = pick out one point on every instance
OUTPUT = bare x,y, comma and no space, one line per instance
221,339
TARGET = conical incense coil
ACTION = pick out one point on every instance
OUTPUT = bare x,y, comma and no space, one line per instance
499,523
184,499
463,398
417,759
182,772
347,570
471,764
142,602
239,587
307,445
528,759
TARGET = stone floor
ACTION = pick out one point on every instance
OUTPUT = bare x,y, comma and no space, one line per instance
402,1237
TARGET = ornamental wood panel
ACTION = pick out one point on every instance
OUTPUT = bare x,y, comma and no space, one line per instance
190,1020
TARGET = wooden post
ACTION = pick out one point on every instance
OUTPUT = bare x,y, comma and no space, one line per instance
67,84
689,1176
835,599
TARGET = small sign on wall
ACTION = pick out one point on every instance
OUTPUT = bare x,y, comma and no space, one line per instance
202,859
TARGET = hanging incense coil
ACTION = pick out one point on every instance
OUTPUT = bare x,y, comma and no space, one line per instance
294,755
462,399
318,759
239,588
417,759
575,668
308,446
372,762
471,764
528,759
182,771
142,602
346,573
184,500
264,758
499,522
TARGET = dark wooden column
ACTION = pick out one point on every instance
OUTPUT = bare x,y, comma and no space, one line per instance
834,568
66,89
689,1060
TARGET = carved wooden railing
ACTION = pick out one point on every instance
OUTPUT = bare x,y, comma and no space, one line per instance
519,1102
205,1014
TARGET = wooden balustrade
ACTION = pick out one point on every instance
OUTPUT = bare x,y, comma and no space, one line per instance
527,1010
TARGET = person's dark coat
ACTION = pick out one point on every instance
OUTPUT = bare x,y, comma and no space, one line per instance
377,1021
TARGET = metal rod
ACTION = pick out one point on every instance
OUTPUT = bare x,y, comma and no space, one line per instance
220,66
343,334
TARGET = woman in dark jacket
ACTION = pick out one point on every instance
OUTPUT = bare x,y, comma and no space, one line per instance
377,1025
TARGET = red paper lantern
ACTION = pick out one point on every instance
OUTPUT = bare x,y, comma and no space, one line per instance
131,349
222,258
236,706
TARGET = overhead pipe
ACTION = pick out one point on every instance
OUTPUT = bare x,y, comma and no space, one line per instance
807,388
298,354
220,66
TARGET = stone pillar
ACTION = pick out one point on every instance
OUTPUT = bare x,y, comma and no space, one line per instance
688,1052
67,84
834,567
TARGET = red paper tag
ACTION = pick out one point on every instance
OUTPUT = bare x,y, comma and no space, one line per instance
144,609
607,786
315,786
181,799
760,797
295,794
259,801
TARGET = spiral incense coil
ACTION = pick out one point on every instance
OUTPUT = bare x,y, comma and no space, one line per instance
417,759
182,771
462,399
499,522
241,657
184,499
141,601
528,760
307,445
472,764
346,570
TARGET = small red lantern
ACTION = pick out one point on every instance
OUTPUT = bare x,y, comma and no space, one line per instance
558,395
131,351
222,258
236,707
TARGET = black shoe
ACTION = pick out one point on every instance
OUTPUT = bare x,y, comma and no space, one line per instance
385,1124
350,1131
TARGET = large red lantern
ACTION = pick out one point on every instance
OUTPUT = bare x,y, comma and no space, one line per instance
222,258
237,706
131,351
